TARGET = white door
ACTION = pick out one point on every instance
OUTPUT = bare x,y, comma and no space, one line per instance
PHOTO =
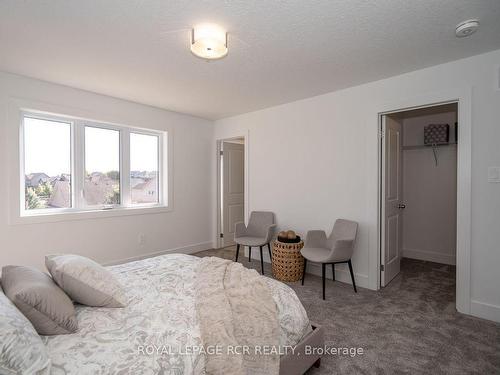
233,166
392,204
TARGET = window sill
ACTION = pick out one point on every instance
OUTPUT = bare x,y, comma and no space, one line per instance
53,217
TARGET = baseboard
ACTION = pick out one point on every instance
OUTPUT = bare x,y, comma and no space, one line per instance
485,310
342,273
430,256
190,249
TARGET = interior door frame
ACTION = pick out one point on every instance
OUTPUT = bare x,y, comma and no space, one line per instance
464,156
219,146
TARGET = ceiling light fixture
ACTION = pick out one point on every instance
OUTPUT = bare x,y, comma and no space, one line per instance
466,28
209,41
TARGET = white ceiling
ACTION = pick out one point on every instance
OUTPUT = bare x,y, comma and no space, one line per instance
279,51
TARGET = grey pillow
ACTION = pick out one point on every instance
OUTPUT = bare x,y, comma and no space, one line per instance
21,349
40,300
86,281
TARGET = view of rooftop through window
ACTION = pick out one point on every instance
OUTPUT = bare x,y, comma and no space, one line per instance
47,164
102,166
143,168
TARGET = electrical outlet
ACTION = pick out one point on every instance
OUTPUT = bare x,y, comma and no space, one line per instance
141,239
493,174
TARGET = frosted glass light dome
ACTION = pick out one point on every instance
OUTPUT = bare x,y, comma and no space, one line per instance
209,42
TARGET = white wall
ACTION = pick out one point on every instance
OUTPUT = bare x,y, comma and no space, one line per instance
326,148
429,192
186,228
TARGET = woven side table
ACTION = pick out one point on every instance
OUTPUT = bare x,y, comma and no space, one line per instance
287,263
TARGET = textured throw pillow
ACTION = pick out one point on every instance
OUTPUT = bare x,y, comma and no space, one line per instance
21,349
45,305
86,281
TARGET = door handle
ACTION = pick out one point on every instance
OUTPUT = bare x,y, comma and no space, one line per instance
401,206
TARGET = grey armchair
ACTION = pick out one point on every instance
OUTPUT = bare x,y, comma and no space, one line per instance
259,232
337,248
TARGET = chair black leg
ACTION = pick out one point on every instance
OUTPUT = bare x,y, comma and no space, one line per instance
352,276
333,271
317,364
249,253
237,251
323,269
304,271
261,260
270,253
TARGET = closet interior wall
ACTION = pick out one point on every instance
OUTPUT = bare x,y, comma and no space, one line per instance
429,187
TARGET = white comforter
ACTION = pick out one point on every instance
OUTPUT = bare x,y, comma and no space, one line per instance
158,332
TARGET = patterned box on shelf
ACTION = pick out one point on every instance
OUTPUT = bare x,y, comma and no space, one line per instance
436,134
287,263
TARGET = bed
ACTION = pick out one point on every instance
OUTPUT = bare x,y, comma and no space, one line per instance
159,332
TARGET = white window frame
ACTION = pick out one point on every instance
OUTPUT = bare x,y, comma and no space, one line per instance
79,208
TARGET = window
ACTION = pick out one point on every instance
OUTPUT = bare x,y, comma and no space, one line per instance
144,168
102,167
72,165
47,164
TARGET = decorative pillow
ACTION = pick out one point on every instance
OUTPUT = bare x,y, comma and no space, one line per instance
40,300
21,349
86,281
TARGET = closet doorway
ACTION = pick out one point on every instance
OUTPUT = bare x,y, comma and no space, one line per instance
418,200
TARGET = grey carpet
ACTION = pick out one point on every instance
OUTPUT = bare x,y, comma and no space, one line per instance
409,327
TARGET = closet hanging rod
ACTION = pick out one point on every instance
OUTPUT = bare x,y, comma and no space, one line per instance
424,146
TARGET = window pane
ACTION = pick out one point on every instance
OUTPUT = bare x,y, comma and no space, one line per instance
47,164
144,168
102,166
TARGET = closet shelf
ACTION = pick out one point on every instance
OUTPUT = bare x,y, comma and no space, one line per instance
426,146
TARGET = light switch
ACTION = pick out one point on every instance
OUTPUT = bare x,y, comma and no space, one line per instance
493,174
498,78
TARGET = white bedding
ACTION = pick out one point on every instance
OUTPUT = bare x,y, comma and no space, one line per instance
158,328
